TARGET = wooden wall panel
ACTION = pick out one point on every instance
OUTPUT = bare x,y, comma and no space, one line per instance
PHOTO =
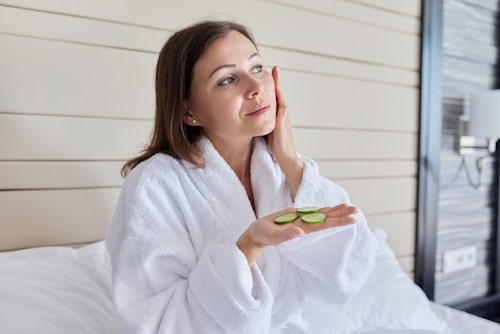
60,174
407,263
367,14
342,68
70,138
378,196
367,169
74,79
52,217
407,7
363,43
345,103
131,81
80,29
400,227
325,144
21,22
71,116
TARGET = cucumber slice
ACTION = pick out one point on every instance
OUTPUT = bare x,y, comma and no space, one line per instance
307,210
314,218
286,218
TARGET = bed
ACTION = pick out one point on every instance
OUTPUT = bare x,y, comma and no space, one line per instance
60,289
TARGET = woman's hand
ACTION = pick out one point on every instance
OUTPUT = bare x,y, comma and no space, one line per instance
281,142
264,232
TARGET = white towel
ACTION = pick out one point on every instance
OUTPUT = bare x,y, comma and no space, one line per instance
176,267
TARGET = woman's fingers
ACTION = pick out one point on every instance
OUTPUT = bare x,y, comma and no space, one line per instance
276,76
339,210
340,215
281,105
340,221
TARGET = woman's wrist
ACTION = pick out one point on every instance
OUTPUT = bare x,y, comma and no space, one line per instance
293,170
249,247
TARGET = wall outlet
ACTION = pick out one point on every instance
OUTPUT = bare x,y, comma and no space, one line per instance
459,259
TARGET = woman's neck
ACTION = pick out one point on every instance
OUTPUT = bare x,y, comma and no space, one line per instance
238,157
236,154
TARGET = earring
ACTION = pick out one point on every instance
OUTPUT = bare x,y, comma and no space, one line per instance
193,121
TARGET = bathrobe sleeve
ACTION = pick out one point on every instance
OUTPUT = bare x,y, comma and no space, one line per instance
162,286
333,263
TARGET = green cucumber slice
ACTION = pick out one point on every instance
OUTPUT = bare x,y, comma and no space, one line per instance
314,218
286,218
307,210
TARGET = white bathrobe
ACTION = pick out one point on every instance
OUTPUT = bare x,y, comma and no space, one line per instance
176,266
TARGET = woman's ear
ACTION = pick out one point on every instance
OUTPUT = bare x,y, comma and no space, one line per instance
190,120
188,117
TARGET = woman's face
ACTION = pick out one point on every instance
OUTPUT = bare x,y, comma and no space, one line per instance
232,94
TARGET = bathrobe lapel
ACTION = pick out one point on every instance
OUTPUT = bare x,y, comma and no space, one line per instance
220,186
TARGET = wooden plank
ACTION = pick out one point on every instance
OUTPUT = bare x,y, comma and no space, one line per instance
400,228
323,101
60,174
35,137
327,144
55,217
25,22
382,196
337,170
408,7
363,43
359,12
74,79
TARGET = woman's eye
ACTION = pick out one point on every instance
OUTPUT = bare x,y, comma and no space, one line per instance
225,81
257,69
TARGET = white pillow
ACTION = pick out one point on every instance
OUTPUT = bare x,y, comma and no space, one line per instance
57,290
390,300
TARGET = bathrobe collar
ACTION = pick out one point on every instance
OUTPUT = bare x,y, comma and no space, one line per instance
224,190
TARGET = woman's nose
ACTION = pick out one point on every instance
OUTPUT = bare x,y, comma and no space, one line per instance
254,86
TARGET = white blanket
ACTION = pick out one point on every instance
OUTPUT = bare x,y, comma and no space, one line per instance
176,267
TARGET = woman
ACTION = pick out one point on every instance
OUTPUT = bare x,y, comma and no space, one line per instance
193,244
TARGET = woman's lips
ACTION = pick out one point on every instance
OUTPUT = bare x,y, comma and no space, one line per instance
260,109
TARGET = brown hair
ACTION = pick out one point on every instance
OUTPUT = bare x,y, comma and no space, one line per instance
174,74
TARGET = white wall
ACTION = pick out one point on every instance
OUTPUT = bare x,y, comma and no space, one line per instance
77,100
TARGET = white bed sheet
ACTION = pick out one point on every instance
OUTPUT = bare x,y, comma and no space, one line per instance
63,290
464,323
